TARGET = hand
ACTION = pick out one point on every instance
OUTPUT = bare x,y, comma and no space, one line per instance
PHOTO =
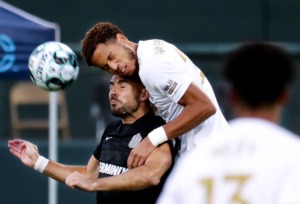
25,151
140,153
78,180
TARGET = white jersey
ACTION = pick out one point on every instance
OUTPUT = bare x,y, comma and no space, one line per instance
258,162
167,73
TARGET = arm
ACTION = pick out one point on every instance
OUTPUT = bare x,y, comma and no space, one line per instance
28,154
60,172
197,108
141,177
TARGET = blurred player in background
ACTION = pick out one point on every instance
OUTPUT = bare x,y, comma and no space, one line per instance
178,89
129,100
258,161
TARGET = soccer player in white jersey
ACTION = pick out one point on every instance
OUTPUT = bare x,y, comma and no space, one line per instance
257,161
178,89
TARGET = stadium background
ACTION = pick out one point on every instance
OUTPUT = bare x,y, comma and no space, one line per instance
204,30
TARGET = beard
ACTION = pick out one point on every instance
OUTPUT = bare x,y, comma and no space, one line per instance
121,112
133,56
125,110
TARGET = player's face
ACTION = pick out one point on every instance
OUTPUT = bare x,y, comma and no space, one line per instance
115,58
123,96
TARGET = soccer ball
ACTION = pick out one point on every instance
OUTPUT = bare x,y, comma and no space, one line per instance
53,66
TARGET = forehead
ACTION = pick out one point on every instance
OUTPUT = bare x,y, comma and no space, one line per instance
117,78
120,79
100,54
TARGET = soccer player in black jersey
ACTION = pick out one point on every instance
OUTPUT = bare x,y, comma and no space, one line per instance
106,172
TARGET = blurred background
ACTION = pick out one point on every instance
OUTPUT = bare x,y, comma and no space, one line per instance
204,30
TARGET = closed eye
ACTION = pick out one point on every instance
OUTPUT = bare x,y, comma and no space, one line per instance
105,67
123,84
110,56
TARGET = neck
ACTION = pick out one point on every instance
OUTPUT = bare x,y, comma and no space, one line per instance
132,117
133,46
270,113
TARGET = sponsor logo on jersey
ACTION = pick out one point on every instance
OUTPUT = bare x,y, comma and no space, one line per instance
137,138
111,169
158,47
170,86
202,76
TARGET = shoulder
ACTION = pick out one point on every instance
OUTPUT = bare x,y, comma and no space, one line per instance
114,123
154,49
270,137
147,123
112,126
155,118
152,120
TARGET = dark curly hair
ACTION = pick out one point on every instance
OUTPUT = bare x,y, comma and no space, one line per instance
259,72
100,33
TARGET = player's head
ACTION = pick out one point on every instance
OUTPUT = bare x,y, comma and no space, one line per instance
128,97
259,73
106,47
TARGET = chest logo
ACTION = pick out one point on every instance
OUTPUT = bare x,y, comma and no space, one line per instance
137,138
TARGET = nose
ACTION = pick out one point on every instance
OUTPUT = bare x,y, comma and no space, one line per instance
113,91
113,66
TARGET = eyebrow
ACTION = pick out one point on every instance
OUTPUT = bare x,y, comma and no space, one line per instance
109,55
120,81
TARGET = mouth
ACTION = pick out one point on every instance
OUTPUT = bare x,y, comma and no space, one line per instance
123,70
113,104
113,101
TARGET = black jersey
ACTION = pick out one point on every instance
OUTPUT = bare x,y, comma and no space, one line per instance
116,143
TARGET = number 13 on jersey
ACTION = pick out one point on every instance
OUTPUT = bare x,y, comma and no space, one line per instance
235,197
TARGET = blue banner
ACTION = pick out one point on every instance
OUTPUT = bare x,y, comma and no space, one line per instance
20,34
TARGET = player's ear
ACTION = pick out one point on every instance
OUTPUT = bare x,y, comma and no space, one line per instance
285,96
144,95
121,38
232,96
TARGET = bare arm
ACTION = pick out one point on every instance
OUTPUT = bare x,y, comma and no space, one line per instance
197,108
60,172
28,154
141,177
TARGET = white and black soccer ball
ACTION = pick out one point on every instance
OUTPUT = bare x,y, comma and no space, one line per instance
53,66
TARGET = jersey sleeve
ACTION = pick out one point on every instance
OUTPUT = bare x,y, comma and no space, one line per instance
97,152
162,74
